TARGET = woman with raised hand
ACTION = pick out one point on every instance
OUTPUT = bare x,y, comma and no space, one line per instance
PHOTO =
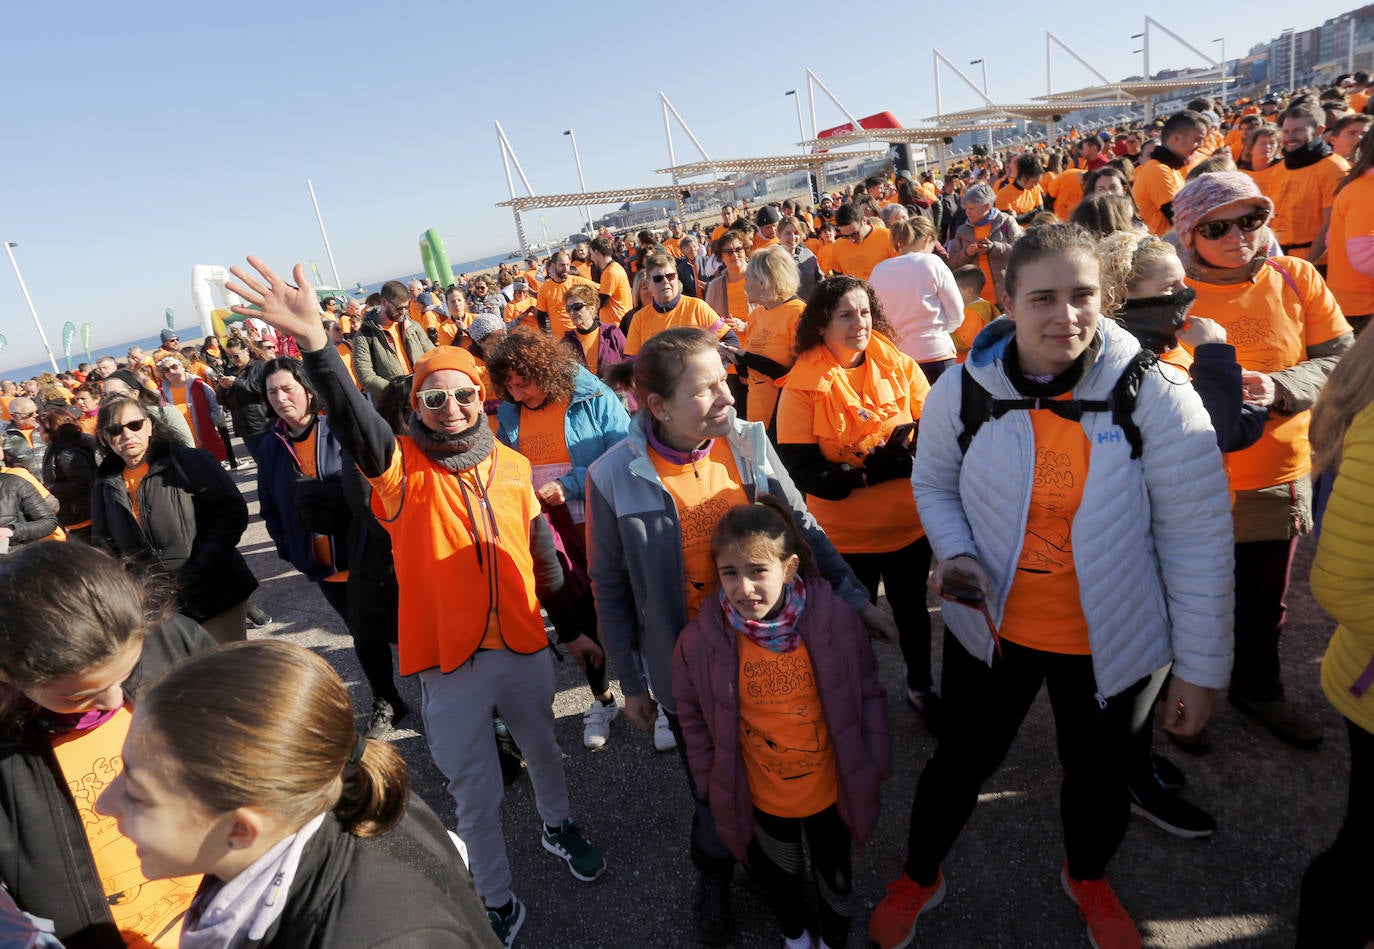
305,836
467,530
172,510
80,636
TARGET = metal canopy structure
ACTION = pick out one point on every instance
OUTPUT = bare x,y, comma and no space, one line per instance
1137,90
932,135
1030,111
578,198
767,163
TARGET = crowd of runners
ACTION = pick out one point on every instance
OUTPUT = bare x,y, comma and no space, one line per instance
1087,396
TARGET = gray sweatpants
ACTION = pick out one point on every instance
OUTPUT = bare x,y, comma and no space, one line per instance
457,712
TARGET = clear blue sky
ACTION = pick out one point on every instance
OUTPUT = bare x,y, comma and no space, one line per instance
143,138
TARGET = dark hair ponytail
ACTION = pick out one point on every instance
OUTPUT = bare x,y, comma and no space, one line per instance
767,520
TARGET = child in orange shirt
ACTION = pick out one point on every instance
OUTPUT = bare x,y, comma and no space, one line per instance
776,683
977,312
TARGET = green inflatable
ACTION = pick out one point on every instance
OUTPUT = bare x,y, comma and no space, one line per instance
435,258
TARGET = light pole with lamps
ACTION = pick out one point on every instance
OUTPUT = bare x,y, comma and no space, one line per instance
9,249
801,137
984,64
1222,41
580,180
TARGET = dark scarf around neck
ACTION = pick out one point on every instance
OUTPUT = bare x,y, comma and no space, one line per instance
1309,154
454,453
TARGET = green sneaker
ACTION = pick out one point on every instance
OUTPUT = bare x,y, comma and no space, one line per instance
584,860
507,926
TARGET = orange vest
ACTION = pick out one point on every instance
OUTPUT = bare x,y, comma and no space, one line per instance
457,578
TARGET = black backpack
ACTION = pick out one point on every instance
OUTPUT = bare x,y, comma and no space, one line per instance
977,404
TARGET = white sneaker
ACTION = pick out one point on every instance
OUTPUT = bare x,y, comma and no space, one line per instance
596,724
663,735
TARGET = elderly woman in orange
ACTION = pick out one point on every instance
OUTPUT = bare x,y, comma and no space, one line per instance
195,400
847,433
1289,333
771,281
594,344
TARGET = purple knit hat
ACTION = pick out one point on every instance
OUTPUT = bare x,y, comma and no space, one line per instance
1206,193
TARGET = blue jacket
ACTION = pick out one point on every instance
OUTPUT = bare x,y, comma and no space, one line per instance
595,421
287,504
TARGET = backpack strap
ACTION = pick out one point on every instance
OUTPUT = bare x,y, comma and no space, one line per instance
1124,395
977,405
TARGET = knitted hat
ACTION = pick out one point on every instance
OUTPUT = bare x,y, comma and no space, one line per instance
1206,193
483,325
442,357
169,335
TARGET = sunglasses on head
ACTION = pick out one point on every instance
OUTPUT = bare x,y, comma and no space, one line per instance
114,431
436,399
1216,230
663,277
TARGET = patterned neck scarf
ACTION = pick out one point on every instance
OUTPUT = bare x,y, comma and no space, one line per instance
779,634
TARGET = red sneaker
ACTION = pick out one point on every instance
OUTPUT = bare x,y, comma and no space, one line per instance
893,922
1109,926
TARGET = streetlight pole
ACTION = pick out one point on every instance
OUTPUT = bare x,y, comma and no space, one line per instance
1222,41
9,249
984,64
801,137
580,180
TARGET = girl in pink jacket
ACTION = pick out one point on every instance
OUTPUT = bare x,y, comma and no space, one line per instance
783,718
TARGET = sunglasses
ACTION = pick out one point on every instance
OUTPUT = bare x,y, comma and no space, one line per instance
729,251
666,277
436,399
1216,230
853,235
114,431
576,307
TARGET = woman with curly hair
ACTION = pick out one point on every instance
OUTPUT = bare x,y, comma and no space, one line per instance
847,434
561,418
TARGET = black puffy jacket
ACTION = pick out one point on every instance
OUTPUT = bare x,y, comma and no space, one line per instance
23,509
69,472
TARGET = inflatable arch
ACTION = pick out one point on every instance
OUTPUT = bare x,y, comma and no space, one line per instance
435,258
205,279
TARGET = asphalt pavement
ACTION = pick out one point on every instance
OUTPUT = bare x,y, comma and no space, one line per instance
1276,808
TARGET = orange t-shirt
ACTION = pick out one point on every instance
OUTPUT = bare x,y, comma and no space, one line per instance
397,335
1300,199
5,401
1018,201
1271,328
977,314
543,434
615,285
345,351
858,260
183,405
147,913
133,477
982,232
1155,186
591,347
1067,191
305,457
531,278
737,300
782,733
882,517
690,311
761,242
702,492
88,423
1352,216
512,312
1044,609
771,333
550,301
1357,101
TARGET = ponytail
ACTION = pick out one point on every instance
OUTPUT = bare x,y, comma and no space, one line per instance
374,791
767,521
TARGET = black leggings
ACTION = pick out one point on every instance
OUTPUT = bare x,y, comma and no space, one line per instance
598,677
1335,911
777,862
374,655
904,574
983,709
1263,568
